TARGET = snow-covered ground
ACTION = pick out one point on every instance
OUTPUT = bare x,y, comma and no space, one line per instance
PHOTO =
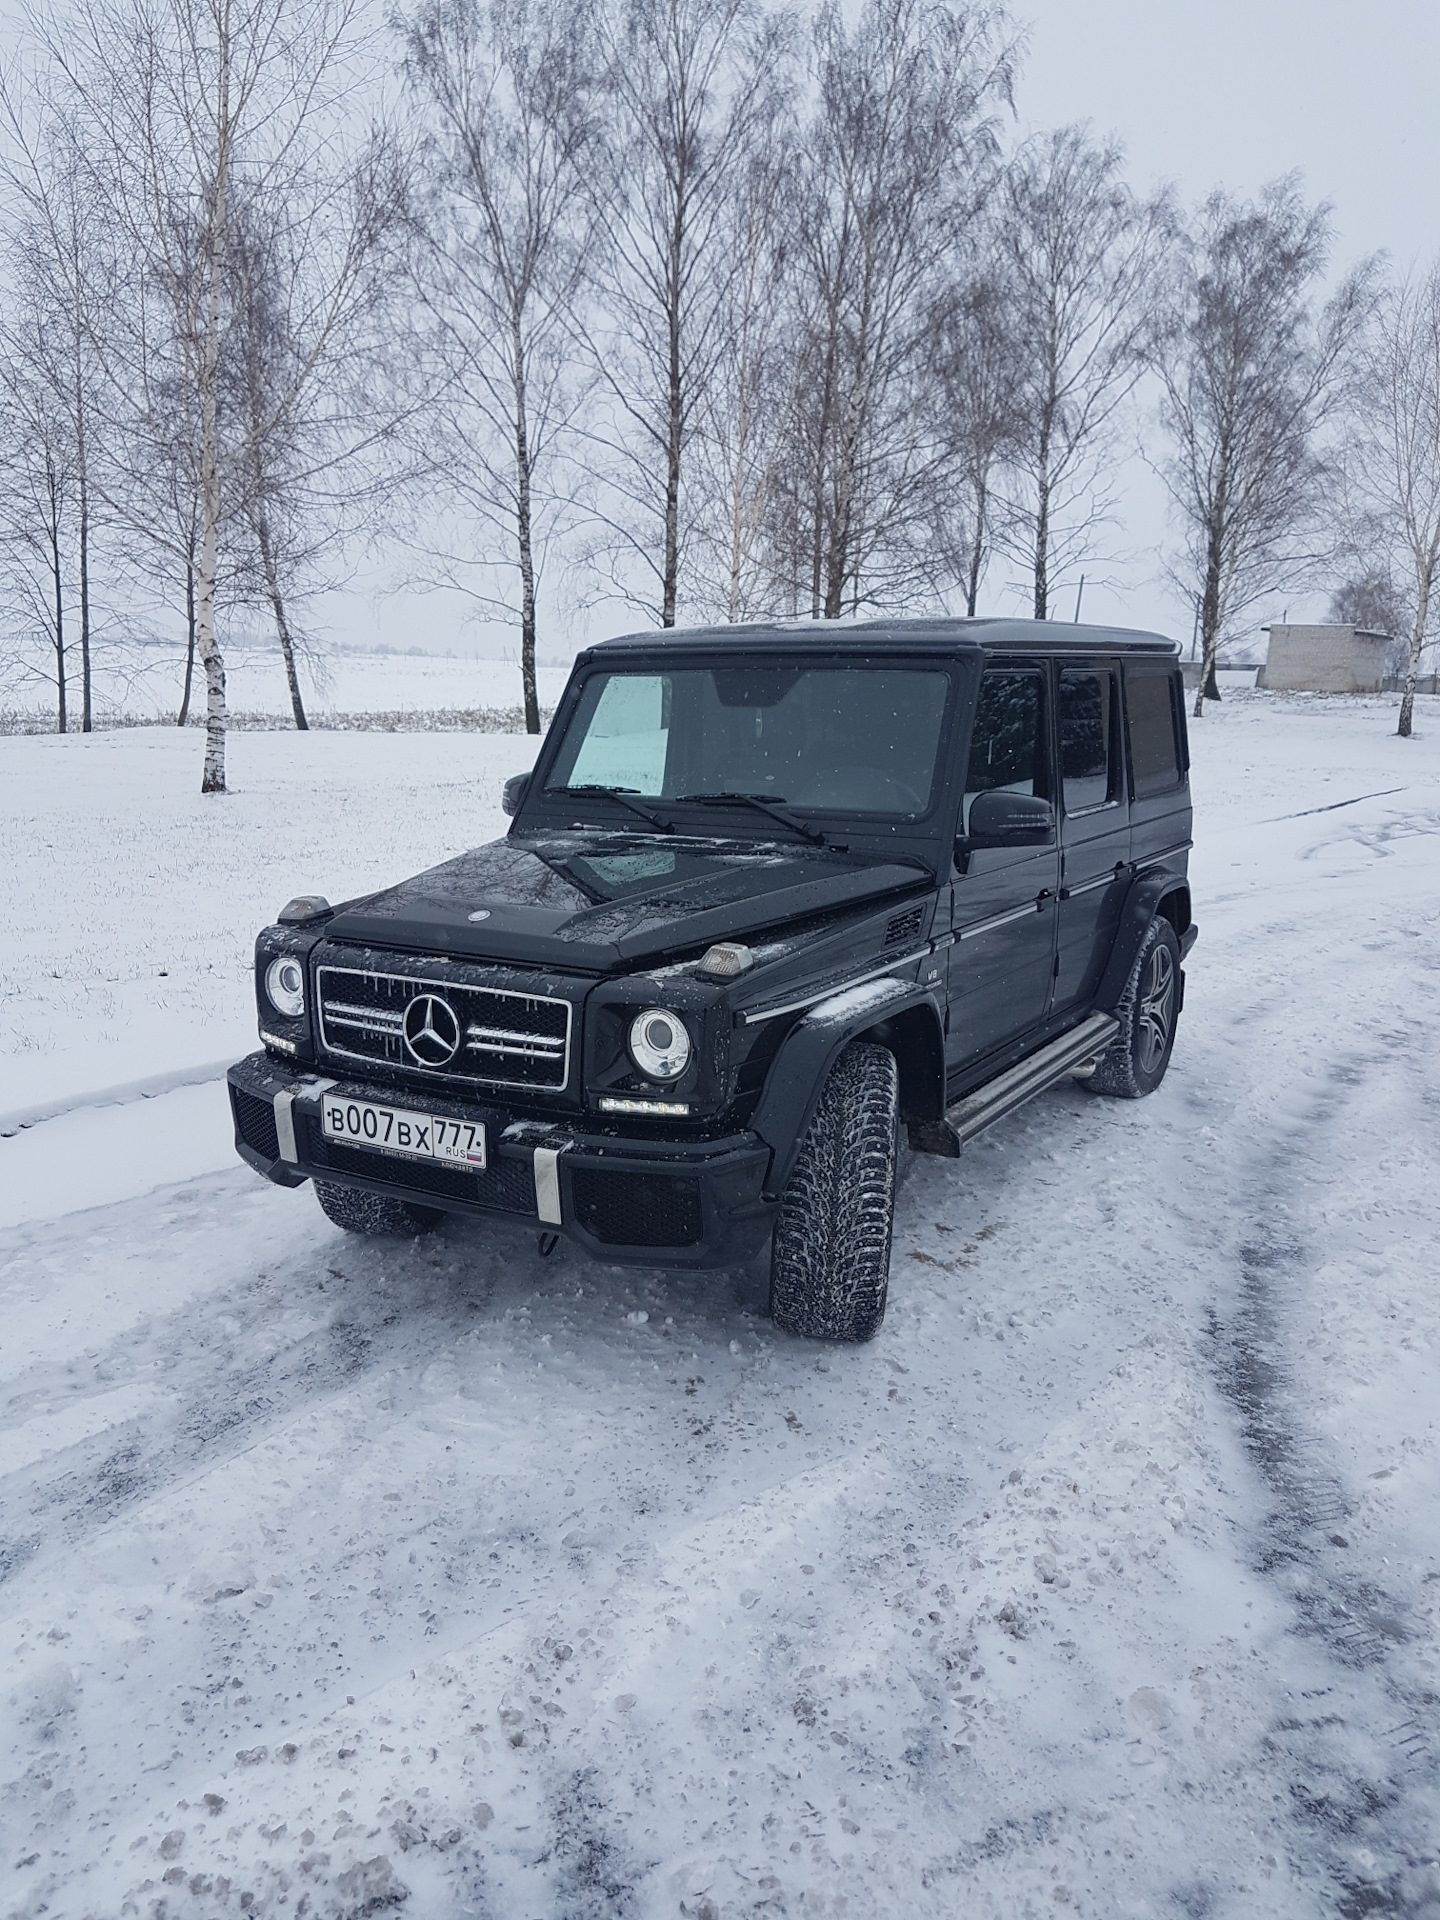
341,1574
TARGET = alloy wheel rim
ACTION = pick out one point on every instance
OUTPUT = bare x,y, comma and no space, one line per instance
1155,1016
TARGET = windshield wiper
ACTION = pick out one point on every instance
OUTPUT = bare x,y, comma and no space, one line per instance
764,804
622,794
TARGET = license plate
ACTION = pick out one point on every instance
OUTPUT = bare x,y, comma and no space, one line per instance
417,1136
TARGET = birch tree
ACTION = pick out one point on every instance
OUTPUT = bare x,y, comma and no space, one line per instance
508,93
185,107
1392,463
977,389
306,373
1248,371
738,481
903,135
59,293
1085,259
689,85
37,533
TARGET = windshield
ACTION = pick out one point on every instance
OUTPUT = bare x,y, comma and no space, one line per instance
850,740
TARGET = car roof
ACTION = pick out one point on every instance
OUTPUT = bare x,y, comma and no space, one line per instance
945,636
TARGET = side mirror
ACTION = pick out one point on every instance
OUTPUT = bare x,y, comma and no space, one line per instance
1001,819
513,794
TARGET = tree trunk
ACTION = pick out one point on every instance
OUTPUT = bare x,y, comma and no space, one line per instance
212,778
62,716
1042,550
837,563
190,636
524,538
1209,686
674,419
1417,647
977,550
86,714
276,598
287,649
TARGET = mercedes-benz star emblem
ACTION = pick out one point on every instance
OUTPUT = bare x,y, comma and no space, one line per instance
432,1033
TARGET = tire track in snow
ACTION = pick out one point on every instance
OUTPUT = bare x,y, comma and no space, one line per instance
398,1308
1358,1762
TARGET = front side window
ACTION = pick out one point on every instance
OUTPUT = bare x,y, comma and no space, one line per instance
855,740
1089,764
1007,747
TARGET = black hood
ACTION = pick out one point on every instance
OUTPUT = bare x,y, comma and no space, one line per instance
602,902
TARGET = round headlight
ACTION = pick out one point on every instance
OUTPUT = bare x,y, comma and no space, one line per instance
659,1044
285,985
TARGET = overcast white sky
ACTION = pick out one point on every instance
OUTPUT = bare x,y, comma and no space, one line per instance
1234,93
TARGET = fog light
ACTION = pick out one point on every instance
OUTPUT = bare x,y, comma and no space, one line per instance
615,1103
285,986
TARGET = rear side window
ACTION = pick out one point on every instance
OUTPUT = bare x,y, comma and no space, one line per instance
1089,764
1151,705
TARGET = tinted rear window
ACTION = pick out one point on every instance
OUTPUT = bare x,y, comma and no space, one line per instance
1154,740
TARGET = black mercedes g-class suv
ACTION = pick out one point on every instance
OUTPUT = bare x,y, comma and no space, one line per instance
771,893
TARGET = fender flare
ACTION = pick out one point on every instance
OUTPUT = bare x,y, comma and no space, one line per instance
1147,890
800,1069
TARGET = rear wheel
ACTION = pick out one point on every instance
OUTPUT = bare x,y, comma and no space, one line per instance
359,1212
1135,1062
830,1259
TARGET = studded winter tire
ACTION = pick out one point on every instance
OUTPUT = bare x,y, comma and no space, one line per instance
359,1212
830,1258
1137,1057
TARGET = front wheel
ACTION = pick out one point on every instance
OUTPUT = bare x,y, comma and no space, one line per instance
1137,1057
830,1259
359,1212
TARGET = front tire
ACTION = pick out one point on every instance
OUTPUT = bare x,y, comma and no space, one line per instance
1135,1062
830,1259
359,1212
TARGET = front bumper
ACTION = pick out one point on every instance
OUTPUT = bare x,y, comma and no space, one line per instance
660,1203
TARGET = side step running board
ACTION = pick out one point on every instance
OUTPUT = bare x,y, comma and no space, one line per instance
1015,1086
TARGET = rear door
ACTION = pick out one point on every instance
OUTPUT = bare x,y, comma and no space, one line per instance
1002,904
1094,825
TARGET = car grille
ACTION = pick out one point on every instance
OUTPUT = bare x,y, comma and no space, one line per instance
503,1038
255,1123
508,1185
637,1209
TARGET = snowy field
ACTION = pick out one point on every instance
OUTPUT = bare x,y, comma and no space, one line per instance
144,683
341,1575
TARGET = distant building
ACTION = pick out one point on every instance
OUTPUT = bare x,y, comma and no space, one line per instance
1328,659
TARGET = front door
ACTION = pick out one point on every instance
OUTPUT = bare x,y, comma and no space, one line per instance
1002,905
1094,827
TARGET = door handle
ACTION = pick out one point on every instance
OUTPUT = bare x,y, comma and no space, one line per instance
1041,898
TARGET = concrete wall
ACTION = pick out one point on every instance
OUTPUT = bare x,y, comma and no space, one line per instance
1332,659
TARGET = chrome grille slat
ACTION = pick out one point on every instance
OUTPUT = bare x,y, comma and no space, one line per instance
371,1019
523,1039
504,1033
